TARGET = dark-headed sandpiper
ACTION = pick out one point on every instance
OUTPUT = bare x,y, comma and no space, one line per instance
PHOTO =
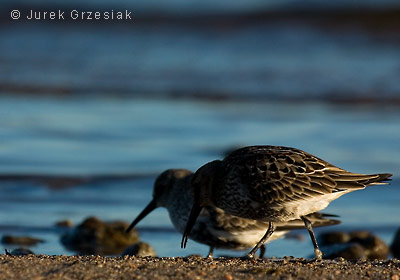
214,227
272,184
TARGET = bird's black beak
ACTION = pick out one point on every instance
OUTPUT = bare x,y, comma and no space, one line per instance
196,209
150,207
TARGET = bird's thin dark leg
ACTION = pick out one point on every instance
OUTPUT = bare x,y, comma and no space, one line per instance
317,251
211,252
270,231
262,251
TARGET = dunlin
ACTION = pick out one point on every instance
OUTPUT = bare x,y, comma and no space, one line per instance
214,227
272,184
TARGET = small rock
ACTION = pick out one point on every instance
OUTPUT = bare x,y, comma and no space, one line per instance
395,247
20,240
333,237
359,235
65,224
354,245
350,252
227,276
93,236
20,252
375,248
140,249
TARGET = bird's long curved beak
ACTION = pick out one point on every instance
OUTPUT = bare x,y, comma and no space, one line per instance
196,209
150,207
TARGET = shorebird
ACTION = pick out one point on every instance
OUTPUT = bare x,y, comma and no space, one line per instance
272,184
214,227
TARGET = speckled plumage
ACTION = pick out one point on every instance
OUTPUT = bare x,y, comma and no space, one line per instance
273,184
214,227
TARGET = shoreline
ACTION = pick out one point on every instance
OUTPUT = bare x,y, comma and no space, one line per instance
98,267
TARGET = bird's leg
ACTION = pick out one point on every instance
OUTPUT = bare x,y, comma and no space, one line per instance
270,231
262,251
317,251
211,252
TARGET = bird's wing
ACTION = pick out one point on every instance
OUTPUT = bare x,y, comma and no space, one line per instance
276,175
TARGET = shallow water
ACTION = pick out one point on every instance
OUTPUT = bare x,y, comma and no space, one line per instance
128,141
278,59
91,113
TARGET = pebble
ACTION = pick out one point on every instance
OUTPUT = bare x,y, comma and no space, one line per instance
353,246
139,249
20,240
20,252
227,276
65,224
94,236
334,237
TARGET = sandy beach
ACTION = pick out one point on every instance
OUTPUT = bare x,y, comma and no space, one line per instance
94,109
96,267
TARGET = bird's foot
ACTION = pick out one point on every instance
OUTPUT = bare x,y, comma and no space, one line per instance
318,254
249,256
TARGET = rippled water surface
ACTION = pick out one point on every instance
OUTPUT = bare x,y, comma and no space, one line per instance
91,113
127,142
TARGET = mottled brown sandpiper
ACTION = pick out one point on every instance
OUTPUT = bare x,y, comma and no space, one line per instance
214,227
272,184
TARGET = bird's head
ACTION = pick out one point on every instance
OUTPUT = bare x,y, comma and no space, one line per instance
167,181
163,187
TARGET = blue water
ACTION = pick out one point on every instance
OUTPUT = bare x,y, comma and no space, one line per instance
136,139
258,61
116,104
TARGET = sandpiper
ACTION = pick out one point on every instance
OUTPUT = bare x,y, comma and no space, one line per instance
214,227
272,184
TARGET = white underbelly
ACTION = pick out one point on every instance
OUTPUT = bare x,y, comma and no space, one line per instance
307,206
248,238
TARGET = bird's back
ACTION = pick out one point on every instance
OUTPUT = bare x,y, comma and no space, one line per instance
264,177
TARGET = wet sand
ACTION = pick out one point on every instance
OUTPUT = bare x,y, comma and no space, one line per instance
96,267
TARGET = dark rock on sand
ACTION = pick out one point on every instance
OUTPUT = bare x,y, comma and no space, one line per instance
375,248
350,251
353,245
93,236
395,247
20,252
20,240
65,224
334,237
140,249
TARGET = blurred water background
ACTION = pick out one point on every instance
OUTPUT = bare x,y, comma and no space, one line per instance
92,111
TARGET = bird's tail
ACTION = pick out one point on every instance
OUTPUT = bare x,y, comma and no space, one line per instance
347,180
379,179
374,179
